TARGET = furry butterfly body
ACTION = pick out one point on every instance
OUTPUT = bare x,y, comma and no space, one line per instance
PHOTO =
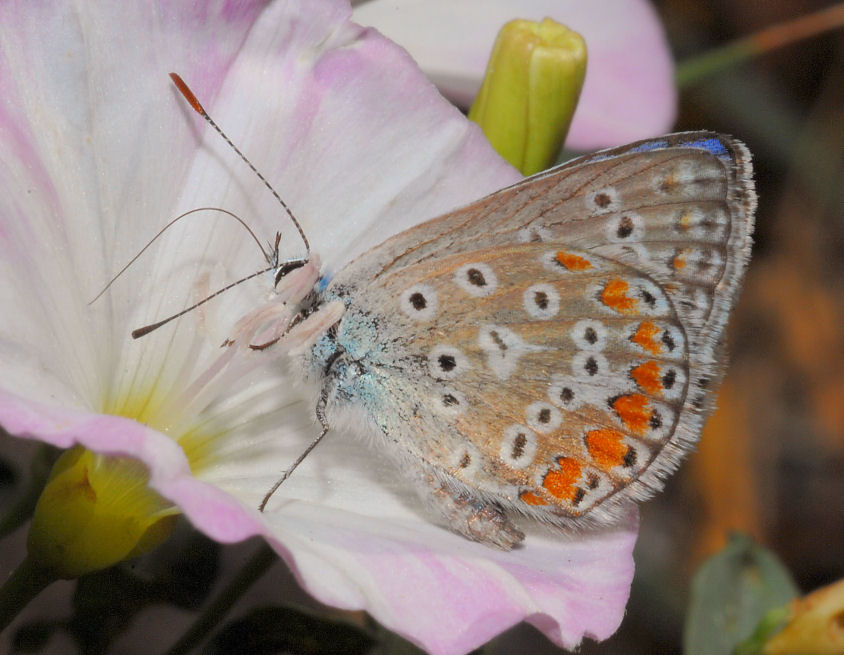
551,350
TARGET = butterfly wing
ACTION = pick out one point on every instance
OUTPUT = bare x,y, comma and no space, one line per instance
679,208
555,345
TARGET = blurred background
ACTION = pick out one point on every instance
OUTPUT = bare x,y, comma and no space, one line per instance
771,459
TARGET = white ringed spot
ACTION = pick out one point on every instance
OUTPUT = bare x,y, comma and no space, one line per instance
603,201
589,365
449,401
541,301
567,393
589,334
543,417
419,302
447,362
518,447
465,462
652,299
533,234
476,279
626,227
503,349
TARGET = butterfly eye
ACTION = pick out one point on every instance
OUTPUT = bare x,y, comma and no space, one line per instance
285,268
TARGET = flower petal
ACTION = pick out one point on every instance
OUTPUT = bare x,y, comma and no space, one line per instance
629,90
362,147
433,587
93,157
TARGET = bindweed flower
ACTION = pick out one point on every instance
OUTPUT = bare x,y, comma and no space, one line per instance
629,91
97,153
530,92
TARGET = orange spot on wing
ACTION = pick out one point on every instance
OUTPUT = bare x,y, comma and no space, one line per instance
573,262
531,498
647,377
679,261
668,184
606,447
633,411
645,336
560,482
615,296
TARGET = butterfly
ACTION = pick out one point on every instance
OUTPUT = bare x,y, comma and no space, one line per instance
550,351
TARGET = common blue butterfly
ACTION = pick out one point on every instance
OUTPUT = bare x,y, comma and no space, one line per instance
549,351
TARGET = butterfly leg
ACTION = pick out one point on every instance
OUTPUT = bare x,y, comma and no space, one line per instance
470,516
320,413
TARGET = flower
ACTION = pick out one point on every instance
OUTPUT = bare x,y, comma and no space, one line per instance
629,91
98,152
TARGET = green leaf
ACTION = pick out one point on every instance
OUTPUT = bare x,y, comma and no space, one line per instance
731,592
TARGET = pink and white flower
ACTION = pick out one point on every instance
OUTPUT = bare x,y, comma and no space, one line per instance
97,153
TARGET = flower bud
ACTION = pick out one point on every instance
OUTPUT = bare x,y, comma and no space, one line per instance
95,511
530,91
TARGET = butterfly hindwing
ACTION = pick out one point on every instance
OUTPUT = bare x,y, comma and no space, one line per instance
519,358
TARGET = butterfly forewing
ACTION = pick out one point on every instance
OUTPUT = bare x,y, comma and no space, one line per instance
679,208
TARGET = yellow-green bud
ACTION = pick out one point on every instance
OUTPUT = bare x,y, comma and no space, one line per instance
95,511
530,91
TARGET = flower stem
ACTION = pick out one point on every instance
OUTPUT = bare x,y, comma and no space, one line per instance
25,583
219,607
694,70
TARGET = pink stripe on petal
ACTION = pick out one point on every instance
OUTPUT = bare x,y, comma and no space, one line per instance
448,595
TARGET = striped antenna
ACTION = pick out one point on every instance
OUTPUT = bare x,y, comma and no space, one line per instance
281,268
199,109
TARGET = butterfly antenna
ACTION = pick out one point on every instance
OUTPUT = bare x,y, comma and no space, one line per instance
140,332
271,259
198,108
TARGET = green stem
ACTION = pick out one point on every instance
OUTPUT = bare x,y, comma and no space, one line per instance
258,564
25,583
771,38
